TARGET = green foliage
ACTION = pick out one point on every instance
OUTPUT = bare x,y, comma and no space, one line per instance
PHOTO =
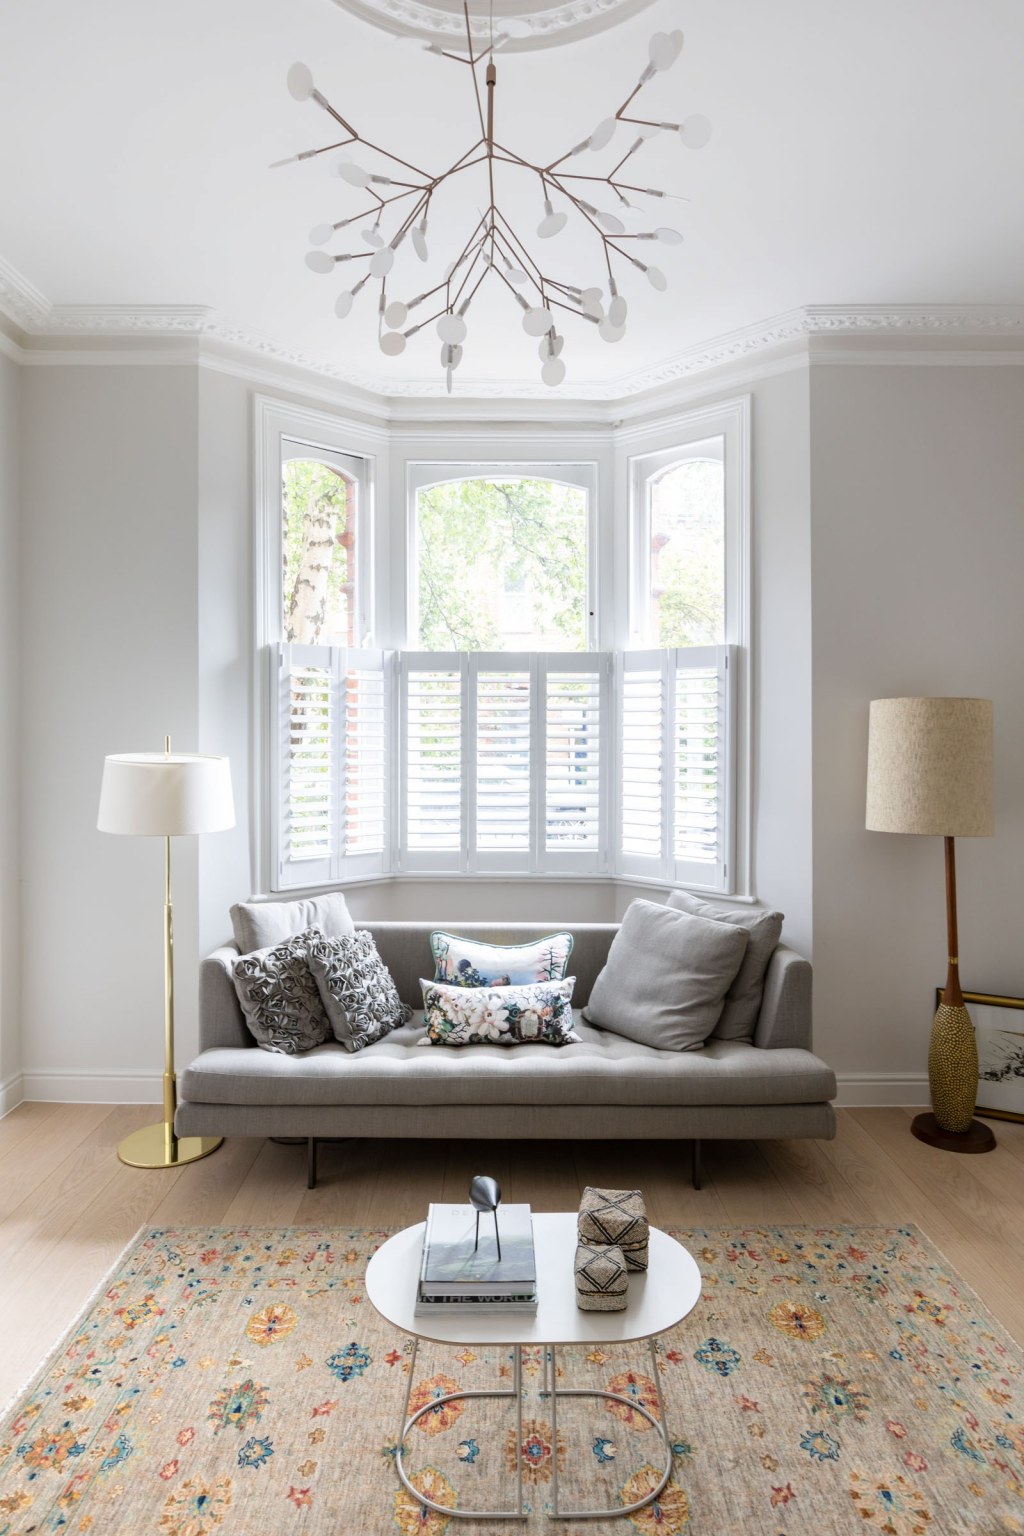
314,501
688,555
501,565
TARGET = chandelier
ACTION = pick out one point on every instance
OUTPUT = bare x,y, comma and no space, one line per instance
399,208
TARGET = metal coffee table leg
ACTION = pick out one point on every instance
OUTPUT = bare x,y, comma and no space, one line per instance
557,1513
516,1391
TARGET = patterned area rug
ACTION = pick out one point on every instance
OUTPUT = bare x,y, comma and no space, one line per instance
236,1382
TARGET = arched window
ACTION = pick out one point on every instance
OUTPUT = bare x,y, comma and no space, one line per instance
319,529
500,564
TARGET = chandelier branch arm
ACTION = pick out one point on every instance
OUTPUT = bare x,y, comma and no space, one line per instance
456,302
322,102
517,247
310,154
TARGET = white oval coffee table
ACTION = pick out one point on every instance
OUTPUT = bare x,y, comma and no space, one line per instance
658,1300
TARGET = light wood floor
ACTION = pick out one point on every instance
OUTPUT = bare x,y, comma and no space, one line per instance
68,1207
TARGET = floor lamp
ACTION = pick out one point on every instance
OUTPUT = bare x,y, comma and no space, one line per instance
153,794
930,772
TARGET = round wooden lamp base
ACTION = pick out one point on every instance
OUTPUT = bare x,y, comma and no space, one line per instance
977,1137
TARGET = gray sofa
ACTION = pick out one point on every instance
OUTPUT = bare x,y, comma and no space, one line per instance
604,1088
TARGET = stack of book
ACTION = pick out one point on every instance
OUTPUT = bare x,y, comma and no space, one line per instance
459,1273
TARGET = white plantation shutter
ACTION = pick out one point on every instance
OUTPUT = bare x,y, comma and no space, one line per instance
331,772
642,678
574,834
676,712
500,837
506,764
702,778
433,758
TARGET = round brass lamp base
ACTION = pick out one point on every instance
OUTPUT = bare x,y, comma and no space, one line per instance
976,1138
155,1146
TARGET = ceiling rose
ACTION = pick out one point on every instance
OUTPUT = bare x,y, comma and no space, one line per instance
397,202
522,23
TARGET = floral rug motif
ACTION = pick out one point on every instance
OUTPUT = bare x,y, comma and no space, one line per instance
237,1382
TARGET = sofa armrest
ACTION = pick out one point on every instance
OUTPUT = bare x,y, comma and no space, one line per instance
220,1017
785,1017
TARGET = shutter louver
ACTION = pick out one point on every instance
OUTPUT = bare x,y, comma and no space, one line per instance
364,713
503,776
573,799
701,775
642,761
433,798
306,776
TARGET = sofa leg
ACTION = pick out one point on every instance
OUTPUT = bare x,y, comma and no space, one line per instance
695,1168
311,1162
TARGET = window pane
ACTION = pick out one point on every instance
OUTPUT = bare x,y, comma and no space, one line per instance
319,510
687,554
501,565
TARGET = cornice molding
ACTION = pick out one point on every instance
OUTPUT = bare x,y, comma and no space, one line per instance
846,333
21,300
536,25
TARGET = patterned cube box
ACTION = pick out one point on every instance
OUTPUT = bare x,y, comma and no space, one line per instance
616,1216
602,1280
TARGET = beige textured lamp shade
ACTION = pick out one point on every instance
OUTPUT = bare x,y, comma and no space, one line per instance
158,794
930,767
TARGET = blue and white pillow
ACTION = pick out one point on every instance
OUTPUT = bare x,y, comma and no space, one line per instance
537,1014
462,962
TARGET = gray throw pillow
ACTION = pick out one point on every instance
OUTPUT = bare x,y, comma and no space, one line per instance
279,997
258,924
743,999
666,977
357,989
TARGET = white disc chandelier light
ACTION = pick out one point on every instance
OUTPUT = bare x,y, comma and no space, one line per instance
494,248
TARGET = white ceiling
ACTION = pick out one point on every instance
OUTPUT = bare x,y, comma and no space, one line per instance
863,154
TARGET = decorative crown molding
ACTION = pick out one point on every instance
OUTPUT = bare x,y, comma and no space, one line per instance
524,24
21,300
867,326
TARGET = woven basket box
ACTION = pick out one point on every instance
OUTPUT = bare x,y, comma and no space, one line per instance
602,1279
616,1216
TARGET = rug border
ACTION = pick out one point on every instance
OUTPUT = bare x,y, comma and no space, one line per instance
83,1311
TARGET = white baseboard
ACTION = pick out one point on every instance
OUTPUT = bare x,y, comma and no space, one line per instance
11,1094
91,1085
861,1090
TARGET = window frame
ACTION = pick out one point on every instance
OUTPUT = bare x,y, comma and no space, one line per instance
606,466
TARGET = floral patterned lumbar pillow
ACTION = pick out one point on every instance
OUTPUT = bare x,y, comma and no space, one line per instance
462,962
279,997
357,989
537,1014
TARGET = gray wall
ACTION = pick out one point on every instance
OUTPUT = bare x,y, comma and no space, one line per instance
10,734
109,604
917,480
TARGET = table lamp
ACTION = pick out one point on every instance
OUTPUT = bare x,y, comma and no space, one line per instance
153,794
930,773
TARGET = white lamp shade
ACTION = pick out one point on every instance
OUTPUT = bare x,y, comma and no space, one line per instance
930,767
156,794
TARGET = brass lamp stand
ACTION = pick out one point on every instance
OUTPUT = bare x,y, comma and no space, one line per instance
165,795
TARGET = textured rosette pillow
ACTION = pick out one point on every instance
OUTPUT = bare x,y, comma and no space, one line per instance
462,962
357,989
279,997
537,1014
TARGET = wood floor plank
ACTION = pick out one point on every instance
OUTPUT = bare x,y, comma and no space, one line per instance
27,1165
818,1190
747,1186
203,1191
272,1192
23,1123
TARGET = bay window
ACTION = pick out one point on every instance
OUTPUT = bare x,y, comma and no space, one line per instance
459,717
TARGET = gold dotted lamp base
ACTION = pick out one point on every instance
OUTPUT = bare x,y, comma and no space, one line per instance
156,1146
953,1068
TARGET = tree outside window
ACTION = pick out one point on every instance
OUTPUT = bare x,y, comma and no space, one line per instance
501,565
319,532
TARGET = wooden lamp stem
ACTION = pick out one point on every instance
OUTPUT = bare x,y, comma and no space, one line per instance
952,997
